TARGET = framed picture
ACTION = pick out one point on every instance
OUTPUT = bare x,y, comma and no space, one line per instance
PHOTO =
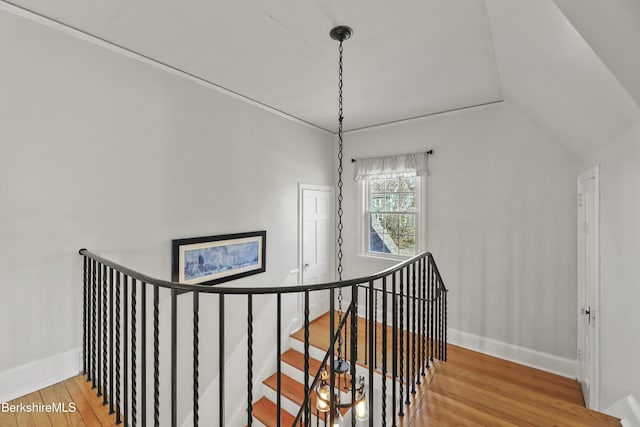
215,259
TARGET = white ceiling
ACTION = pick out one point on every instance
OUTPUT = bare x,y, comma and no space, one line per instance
406,59
612,29
550,73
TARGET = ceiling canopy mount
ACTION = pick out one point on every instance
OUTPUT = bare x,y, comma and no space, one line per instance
341,33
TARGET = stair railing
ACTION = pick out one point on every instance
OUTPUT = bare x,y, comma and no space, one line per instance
117,343
417,342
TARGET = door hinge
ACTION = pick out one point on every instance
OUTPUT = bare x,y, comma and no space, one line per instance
580,200
590,313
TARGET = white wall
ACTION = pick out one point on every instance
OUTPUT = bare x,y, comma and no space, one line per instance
501,222
101,151
620,270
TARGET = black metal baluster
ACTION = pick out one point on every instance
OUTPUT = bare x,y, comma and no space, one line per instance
94,333
375,328
445,326
438,318
84,314
401,347
413,335
97,383
103,362
394,347
432,306
105,333
196,358
425,359
344,377
110,358
367,356
143,353
279,367
429,303
420,365
408,336
117,354
250,360
426,313
332,352
92,320
134,359
384,351
156,356
125,350
174,358
439,322
221,359
353,345
371,352
306,359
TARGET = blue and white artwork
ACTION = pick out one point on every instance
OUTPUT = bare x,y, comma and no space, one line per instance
220,259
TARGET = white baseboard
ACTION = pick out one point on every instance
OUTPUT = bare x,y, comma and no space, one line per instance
524,356
627,409
39,374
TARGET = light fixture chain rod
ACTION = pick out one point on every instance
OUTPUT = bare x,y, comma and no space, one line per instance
340,185
340,165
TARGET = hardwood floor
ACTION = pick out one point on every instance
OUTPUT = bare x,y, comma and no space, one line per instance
475,389
72,393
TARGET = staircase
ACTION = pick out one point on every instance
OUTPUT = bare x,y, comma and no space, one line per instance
292,378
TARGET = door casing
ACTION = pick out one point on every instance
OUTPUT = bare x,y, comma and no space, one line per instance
317,306
588,288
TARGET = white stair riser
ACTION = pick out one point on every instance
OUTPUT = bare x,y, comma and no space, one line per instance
314,352
287,404
296,373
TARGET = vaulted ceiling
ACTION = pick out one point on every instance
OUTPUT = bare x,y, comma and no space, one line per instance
551,60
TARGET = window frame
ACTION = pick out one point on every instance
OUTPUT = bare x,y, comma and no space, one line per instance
364,221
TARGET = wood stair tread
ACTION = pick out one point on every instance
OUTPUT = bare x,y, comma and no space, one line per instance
296,359
294,391
265,411
318,338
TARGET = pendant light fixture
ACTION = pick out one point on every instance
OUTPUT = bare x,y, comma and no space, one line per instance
326,398
340,33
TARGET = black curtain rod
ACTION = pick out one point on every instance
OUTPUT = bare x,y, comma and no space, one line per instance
430,152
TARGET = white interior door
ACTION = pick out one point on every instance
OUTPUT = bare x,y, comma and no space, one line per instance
588,286
317,243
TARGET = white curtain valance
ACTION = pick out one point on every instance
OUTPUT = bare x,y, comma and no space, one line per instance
391,166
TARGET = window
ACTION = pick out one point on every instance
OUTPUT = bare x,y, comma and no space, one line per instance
390,203
391,215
